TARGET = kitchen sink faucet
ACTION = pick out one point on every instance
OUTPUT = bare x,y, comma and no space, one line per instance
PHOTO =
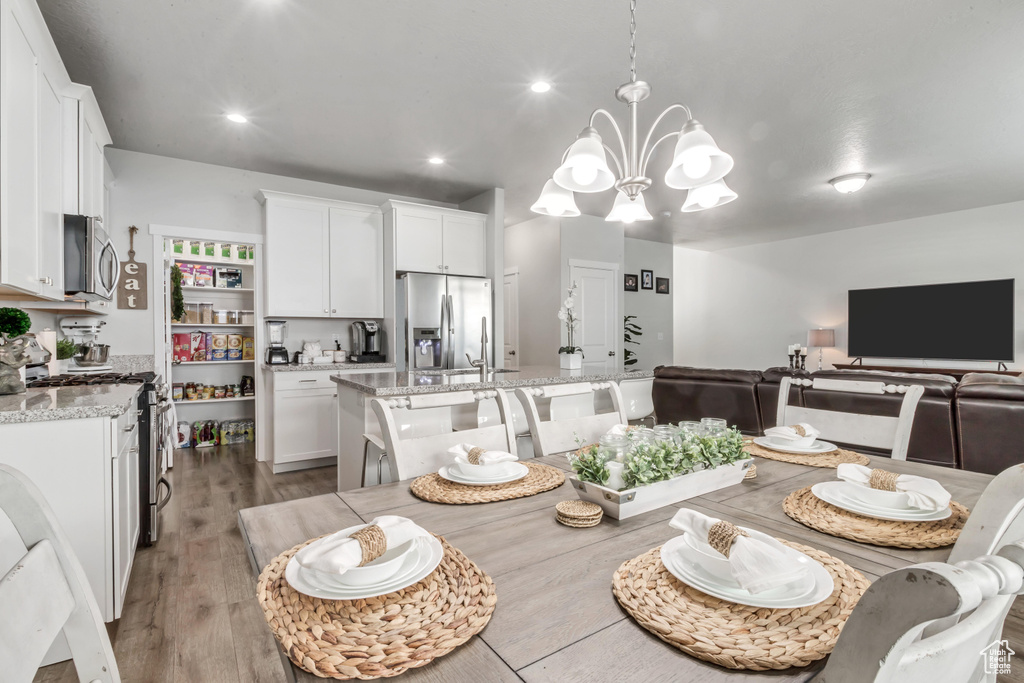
482,361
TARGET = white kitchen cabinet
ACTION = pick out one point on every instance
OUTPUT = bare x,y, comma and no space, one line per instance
125,487
84,137
305,425
430,239
51,214
324,259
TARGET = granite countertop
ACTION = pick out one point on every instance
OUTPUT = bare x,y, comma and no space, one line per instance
310,367
405,383
68,403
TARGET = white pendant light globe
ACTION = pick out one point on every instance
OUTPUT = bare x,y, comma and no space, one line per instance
708,196
626,210
555,201
585,168
697,160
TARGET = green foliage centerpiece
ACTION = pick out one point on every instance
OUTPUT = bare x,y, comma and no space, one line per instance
14,324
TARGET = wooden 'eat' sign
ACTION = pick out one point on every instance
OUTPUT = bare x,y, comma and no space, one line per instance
132,286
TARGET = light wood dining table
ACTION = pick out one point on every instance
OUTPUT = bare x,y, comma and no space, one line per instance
556,618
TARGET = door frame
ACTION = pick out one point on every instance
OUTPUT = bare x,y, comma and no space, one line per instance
617,297
512,270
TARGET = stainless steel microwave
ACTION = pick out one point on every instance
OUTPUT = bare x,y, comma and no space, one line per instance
91,263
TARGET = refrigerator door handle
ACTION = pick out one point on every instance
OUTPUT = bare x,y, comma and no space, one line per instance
451,334
443,332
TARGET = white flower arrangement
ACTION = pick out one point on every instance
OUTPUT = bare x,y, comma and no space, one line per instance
567,314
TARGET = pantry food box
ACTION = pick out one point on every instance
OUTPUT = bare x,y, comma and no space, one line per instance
248,348
220,347
197,345
188,275
182,347
234,347
203,275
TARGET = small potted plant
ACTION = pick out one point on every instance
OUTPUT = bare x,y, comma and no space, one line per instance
65,352
14,323
570,356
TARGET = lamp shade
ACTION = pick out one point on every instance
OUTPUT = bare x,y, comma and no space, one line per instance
555,201
585,168
821,338
626,210
708,196
697,160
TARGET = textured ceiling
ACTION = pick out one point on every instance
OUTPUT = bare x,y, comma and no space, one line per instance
926,96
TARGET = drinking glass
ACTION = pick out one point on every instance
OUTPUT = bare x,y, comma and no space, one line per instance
642,435
692,428
714,426
668,433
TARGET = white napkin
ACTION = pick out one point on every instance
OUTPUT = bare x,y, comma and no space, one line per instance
461,453
756,565
924,493
618,430
337,554
787,433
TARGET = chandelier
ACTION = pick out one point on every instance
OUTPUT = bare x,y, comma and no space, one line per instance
698,165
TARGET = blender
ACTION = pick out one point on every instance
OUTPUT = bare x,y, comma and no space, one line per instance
277,354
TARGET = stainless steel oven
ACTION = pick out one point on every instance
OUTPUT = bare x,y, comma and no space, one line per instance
91,264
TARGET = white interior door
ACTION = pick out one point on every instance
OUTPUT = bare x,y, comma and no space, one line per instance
598,308
511,317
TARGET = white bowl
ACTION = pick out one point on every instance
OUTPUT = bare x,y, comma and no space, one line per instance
381,569
470,471
709,559
798,442
890,500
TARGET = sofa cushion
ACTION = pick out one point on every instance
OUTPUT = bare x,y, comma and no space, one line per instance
934,385
984,385
707,374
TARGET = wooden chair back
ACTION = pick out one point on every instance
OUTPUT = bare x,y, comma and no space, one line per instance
46,592
552,434
871,431
884,640
413,440
638,398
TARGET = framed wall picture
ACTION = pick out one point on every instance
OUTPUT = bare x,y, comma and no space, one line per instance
647,279
629,283
661,285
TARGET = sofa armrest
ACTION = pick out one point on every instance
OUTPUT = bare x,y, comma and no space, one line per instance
985,385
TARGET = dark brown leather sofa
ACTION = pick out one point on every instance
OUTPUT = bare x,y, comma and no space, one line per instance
990,422
682,393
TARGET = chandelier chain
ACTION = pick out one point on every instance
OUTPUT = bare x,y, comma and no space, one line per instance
632,40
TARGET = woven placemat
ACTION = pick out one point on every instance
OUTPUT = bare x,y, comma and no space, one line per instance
809,510
831,459
436,489
737,636
383,636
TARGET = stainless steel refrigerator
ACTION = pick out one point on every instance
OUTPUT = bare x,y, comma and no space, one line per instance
440,318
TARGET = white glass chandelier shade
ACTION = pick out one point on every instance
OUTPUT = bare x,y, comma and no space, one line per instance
555,201
697,160
708,196
626,210
585,168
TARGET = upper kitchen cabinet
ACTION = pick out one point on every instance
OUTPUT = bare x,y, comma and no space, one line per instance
324,259
431,239
84,137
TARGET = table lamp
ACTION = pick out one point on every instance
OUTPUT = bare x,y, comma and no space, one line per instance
823,339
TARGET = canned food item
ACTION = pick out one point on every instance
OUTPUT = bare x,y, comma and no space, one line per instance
208,392
177,391
220,392
190,391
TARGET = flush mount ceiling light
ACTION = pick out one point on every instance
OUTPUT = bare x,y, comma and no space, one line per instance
696,163
850,183
237,118
437,161
540,86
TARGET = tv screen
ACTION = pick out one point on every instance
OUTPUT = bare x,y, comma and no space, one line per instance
959,321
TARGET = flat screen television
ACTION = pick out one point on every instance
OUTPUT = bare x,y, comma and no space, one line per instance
958,321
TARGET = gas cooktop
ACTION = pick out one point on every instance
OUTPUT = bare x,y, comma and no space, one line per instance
87,380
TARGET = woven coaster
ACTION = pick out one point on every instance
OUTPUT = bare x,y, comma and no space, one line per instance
751,472
383,636
579,514
831,459
436,489
809,510
737,636
578,523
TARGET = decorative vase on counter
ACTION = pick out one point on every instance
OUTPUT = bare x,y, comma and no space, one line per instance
12,359
571,361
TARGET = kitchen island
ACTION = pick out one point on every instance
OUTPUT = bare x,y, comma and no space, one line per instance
355,391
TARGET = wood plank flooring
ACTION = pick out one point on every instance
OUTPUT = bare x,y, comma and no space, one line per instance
191,614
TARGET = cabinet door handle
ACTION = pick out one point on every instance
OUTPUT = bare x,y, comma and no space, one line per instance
325,310
46,281
446,267
611,353
133,449
334,310
129,428
334,396
440,267
306,380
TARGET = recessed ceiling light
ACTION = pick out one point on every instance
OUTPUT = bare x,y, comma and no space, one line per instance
850,183
540,86
436,160
237,118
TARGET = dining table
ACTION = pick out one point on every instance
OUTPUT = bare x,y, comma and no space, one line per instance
556,618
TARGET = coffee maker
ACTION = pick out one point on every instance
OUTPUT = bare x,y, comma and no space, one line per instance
277,354
367,342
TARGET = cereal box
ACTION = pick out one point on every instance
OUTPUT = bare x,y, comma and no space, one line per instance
197,346
220,347
234,347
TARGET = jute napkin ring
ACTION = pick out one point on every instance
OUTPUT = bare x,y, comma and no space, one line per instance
722,534
372,541
883,480
474,455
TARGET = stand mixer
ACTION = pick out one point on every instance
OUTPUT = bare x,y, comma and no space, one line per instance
89,357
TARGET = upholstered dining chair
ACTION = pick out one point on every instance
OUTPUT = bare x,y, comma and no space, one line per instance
870,431
557,434
884,639
418,430
638,399
46,592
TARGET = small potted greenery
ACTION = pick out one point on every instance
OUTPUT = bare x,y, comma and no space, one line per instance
65,352
14,324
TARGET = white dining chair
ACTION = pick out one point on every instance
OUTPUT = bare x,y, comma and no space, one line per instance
489,414
870,431
638,399
46,592
419,429
553,433
883,641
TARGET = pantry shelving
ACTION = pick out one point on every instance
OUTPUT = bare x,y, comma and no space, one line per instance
205,401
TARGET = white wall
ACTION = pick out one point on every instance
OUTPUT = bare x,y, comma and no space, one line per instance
742,307
534,248
653,311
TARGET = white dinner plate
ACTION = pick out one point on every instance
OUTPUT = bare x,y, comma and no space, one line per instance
448,472
834,493
417,567
817,448
674,555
